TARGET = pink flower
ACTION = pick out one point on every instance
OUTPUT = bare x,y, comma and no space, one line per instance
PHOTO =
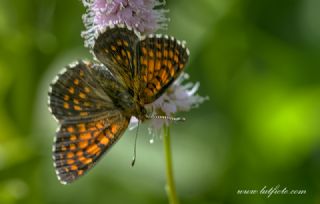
142,15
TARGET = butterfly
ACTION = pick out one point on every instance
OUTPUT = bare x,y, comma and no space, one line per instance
93,101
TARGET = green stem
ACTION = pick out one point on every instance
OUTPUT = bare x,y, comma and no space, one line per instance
170,186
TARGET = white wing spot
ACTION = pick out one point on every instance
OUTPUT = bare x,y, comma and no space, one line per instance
54,117
58,128
63,182
56,78
59,178
63,71
188,52
74,64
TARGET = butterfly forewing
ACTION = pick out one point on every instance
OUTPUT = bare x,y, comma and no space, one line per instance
161,59
75,94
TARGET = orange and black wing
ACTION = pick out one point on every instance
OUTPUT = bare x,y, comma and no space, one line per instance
79,146
160,59
90,106
115,48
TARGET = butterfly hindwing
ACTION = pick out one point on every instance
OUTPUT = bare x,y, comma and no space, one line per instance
115,48
161,59
79,146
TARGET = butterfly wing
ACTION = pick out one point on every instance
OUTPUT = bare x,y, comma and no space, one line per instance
79,146
115,48
160,59
90,120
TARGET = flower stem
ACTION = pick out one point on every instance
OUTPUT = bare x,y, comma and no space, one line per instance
170,186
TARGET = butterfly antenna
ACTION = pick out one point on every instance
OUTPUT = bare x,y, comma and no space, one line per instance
135,146
164,117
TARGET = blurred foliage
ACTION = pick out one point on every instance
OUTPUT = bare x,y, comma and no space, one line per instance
258,61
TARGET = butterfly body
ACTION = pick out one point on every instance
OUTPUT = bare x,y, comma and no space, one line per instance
94,101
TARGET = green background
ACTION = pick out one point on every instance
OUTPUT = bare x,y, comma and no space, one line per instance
258,61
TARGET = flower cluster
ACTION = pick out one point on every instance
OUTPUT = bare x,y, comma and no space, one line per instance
142,15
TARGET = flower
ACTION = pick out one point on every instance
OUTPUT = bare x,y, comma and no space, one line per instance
142,15
178,98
